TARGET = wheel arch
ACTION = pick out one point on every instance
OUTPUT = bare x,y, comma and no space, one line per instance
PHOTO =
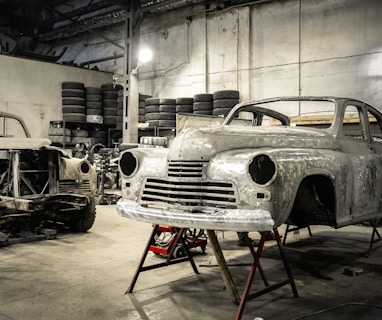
314,202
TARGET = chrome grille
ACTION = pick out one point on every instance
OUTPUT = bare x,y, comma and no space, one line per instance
185,186
70,186
185,169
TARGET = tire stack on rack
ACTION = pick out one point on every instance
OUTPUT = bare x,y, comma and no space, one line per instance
223,101
110,104
184,105
99,135
94,110
203,104
153,142
152,112
167,113
142,107
80,136
73,101
120,110
160,112
58,134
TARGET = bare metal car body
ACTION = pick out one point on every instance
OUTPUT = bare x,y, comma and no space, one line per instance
41,182
300,160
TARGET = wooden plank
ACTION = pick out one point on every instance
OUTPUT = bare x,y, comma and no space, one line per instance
227,277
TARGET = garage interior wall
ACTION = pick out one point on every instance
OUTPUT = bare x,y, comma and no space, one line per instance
293,47
276,48
32,89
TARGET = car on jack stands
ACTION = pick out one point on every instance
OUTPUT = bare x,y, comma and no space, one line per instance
296,160
40,182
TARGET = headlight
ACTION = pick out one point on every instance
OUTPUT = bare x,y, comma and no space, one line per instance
262,169
128,163
84,167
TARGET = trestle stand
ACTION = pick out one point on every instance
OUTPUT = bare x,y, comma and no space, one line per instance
169,259
375,232
256,263
296,228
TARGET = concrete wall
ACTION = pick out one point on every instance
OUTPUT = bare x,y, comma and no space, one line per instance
289,47
32,89
325,47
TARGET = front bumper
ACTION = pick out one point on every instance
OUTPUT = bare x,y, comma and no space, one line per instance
219,219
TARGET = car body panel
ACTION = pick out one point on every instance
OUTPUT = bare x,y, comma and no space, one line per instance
22,144
41,182
322,174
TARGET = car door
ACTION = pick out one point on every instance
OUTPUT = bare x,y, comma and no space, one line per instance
374,119
364,162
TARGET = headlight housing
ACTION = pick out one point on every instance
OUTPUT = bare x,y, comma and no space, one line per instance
84,167
128,163
262,169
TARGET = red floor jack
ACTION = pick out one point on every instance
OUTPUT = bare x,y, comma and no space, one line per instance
165,240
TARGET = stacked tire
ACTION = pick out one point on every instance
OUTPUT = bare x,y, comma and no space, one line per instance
142,107
58,134
153,142
203,104
167,113
184,105
223,101
160,112
79,135
110,104
94,108
120,110
99,135
152,112
73,101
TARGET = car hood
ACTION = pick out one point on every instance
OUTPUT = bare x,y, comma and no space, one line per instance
23,143
29,144
204,143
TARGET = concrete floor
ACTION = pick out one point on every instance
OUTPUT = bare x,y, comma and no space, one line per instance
85,276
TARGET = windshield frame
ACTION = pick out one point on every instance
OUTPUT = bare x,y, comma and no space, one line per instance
18,119
259,107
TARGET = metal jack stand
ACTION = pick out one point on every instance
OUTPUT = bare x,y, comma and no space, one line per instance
373,240
169,260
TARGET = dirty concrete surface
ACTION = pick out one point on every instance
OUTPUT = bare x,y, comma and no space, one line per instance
85,276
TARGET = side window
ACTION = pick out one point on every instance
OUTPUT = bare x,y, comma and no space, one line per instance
352,125
270,121
375,127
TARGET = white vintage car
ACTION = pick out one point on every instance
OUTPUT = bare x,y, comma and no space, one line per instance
40,182
297,160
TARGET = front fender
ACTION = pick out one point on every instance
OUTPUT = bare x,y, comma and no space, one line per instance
151,162
294,165
233,166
